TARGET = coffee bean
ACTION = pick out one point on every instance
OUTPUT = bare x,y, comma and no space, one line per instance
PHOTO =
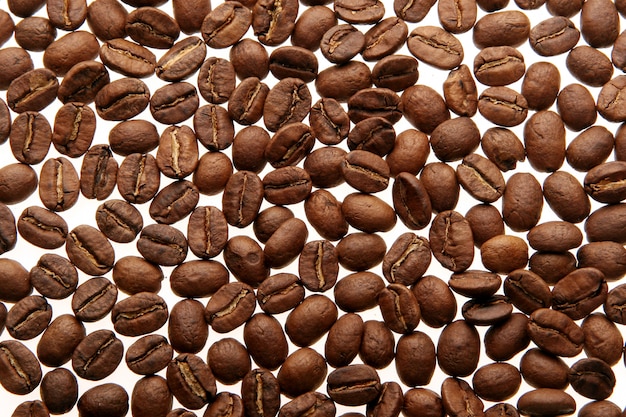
458,397
74,129
5,121
8,230
249,59
30,138
207,232
311,26
67,15
269,220
503,106
553,36
360,11
35,33
107,19
589,66
599,23
522,202
28,318
340,82
503,148
273,22
504,253
289,101
374,103
94,299
435,47
506,339
108,399
319,404
285,244
458,349
214,127
229,361
349,299
162,244
84,47
139,314
448,227
303,371
174,103
32,91
499,65
407,259
582,156
59,390
510,28
602,338
122,99
20,372
225,402
576,107
412,12
149,354
395,72
373,134
59,186
486,222
318,265
344,340
182,60
128,58
496,381
230,307
216,80
442,186
195,279
353,385
98,173
555,332
341,43
605,256
187,329
368,213
324,166
436,301
133,274
151,396
457,17
42,228
418,401
226,24
577,206
97,355
605,408
139,179
325,214
190,14
260,393
174,202
417,348
280,293
613,304
551,266
399,308
487,311
152,27
265,341
54,276
527,291
293,61
90,250
310,320
597,225
424,108
592,378
18,62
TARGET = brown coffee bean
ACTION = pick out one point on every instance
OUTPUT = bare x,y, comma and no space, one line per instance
496,381
325,214
424,108
475,283
503,148
353,385
225,402
527,291
416,348
480,178
602,183
395,72
54,276
128,58
409,153
207,232
94,299
59,390
97,355
373,134
286,185
552,266
107,19
608,97
32,91
605,256
265,342
510,28
310,320
248,151
599,23
455,138
5,121
285,244
16,61
573,209
399,308
74,128
590,148
442,186
122,99
190,14
289,101
280,293
242,198
98,173
486,222
319,405
246,260
174,202
368,213
152,27
499,65
618,57
260,393
522,202
341,43
149,354
139,314
340,82
35,33
8,230
613,303
377,345
182,60
384,38
358,291
59,185
597,225
576,107
422,401
190,380
187,328
553,36
505,340
151,396
20,372
589,66
329,121
365,171
344,340
459,91
274,22
602,338
177,155
226,24
42,228
198,278
458,348
293,61
435,47
487,311
289,145
229,361
216,80
28,318
67,15
503,106
451,241
174,103
407,259
555,332
541,85
457,17
318,265
374,103
436,301
303,371
324,166
84,47
133,274
361,251
555,236
90,250
162,244
30,137
109,399
604,408
249,59
59,340
592,378
230,307
311,26
504,253
458,397
214,127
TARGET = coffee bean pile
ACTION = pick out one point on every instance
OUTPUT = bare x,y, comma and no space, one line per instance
231,209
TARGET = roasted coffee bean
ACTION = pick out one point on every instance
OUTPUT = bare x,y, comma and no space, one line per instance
174,202
198,278
320,313
589,66
508,28
242,198
373,134
90,250
527,291
457,17
289,145
98,173
487,311
162,244
552,266
269,220
151,396
247,100
361,251
139,314
599,23
249,59
499,65
107,19
504,253
20,372
59,340
505,340
28,318
480,178
35,33
618,56
522,202
424,108
385,38
207,232
149,354
54,276
42,228
229,361
318,265
340,82
84,47
409,154
407,259
395,72
399,308
458,398
187,328
555,236
15,283
59,184
182,60
605,256
246,260
486,222
496,381
590,148
273,22
293,61
440,182
128,58
94,299
214,127
230,307
133,274
224,403
503,106
177,155
32,91
341,43
459,90
260,393
324,166
74,128
597,225
436,301
18,182
303,371
368,213
265,342
67,15
152,27
190,379
541,85
458,349
5,121
592,378
344,340
455,138
602,338
374,103
289,101
325,214
248,151
59,390
286,185
280,293
319,405
216,80
603,182
365,171
108,399
97,355
8,230
422,401
9,27
190,14
30,137
174,103
613,304
576,107
555,332
122,99
416,348
285,244
503,148
311,26
475,283
18,62
412,12
329,121
359,11
600,408
138,179
226,24
349,299
435,47
353,385
451,241
553,36
576,207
